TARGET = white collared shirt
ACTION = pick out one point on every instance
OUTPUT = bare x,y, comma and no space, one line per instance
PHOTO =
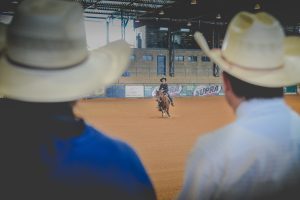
252,155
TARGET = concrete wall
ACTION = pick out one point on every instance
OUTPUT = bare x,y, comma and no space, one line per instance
140,71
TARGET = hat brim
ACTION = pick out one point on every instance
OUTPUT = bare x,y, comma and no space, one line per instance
286,75
102,68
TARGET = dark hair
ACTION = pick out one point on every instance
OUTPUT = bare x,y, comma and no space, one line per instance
250,91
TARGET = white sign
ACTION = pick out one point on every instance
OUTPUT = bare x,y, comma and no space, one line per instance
134,91
208,90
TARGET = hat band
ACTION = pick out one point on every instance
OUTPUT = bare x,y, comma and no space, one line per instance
22,65
249,68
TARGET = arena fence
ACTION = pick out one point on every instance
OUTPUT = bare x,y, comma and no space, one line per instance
175,90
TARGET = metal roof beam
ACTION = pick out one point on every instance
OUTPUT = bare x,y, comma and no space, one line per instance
154,2
100,5
110,14
113,9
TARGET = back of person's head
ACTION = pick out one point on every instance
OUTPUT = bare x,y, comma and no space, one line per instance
256,51
249,91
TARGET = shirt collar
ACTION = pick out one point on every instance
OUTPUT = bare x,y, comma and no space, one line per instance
259,106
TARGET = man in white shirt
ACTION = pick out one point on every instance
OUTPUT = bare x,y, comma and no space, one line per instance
258,155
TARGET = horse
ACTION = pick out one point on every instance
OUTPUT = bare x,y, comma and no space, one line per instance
163,103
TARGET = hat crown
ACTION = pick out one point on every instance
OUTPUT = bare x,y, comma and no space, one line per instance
254,41
47,34
46,60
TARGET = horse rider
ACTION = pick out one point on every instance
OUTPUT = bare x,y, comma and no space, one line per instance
164,87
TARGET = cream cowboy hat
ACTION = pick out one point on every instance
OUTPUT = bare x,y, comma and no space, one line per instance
46,57
256,50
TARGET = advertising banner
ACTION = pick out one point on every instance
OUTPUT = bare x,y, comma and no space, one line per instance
208,90
134,91
187,90
290,89
175,90
154,89
115,91
149,90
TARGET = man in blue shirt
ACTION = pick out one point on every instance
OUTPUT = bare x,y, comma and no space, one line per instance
49,152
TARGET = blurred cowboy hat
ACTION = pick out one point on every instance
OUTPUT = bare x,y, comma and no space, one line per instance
46,57
256,50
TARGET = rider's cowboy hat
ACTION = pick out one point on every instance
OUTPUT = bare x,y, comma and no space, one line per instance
46,58
256,50
161,79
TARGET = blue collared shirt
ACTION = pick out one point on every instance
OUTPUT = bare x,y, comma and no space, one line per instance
108,168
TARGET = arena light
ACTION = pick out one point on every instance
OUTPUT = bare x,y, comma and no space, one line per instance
218,16
189,24
193,2
257,6
163,29
186,30
161,12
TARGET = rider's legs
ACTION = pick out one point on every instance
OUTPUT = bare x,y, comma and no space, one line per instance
171,99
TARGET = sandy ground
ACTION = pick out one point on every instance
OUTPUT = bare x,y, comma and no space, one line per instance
162,143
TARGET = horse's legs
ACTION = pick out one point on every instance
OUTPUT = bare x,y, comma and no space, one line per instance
168,112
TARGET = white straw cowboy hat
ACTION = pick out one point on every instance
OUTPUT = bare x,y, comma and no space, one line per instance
46,57
256,50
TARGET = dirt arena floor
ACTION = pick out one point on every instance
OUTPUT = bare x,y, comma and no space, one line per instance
162,143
